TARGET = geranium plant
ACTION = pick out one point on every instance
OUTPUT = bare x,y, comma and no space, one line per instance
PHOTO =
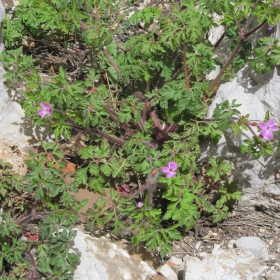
137,100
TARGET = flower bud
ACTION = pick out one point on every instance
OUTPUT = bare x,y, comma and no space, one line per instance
253,124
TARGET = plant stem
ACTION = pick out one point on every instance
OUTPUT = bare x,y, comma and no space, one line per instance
186,68
114,117
151,111
110,59
236,50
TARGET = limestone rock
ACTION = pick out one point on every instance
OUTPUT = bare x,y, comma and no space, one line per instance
103,260
257,178
233,264
273,276
167,272
254,245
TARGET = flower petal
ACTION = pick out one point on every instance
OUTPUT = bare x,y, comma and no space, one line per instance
139,204
42,113
171,174
270,122
263,125
172,165
267,134
273,128
43,104
165,169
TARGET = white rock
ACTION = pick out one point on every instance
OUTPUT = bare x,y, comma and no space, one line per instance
254,245
217,250
203,255
213,74
256,178
103,260
197,245
273,276
2,15
215,33
231,243
167,272
175,260
233,264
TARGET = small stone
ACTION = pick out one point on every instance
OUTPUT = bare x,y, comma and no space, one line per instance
273,257
197,245
255,245
214,235
203,254
167,272
230,265
273,276
176,260
231,244
217,250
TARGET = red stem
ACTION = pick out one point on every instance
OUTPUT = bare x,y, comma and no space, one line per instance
150,110
111,60
114,117
236,50
186,68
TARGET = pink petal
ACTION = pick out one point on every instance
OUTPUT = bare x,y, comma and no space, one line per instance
171,174
42,113
165,169
139,204
267,134
43,104
263,125
273,128
270,122
172,165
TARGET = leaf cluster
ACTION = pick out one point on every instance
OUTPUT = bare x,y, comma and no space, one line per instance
41,198
140,107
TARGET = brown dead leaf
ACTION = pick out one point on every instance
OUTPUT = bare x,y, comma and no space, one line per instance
70,168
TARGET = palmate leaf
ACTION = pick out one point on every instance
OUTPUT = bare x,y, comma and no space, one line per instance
96,185
81,176
106,169
275,55
172,209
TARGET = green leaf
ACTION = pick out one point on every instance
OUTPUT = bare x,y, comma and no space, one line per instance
106,169
96,185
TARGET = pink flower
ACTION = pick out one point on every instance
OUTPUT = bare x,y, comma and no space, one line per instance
267,128
139,204
170,169
270,27
47,109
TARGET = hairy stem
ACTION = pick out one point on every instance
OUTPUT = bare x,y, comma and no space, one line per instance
250,128
118,141
114,117
235,51
111,60
186,68
150,110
